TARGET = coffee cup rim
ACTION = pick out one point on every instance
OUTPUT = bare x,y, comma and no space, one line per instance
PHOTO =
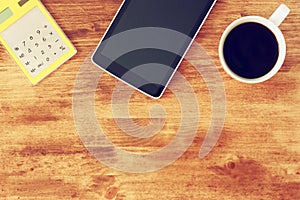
281,48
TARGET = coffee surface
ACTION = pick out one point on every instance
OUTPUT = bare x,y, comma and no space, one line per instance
251,50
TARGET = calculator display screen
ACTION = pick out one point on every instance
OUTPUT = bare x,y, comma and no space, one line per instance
5,14
147,40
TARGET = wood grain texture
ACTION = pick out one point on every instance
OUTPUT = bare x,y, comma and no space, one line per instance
257,156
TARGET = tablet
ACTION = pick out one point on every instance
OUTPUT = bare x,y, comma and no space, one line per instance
148,39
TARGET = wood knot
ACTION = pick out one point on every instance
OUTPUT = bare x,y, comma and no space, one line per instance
231,165
111,192
231,161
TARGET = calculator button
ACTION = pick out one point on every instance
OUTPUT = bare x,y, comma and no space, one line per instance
40,65
17,48
22,55
62,48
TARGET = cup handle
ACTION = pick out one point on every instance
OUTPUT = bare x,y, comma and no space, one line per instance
280,14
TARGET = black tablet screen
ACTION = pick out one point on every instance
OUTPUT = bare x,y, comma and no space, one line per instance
147,39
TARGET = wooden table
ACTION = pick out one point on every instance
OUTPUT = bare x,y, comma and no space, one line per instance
257,156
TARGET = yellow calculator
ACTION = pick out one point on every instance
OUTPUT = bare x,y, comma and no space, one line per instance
33,38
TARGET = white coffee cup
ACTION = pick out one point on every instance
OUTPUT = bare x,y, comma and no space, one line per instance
272,24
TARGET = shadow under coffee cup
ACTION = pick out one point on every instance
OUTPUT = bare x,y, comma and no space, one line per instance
253,49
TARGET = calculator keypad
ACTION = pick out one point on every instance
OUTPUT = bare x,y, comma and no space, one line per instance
35,42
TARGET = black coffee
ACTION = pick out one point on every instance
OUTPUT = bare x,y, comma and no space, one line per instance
251,50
